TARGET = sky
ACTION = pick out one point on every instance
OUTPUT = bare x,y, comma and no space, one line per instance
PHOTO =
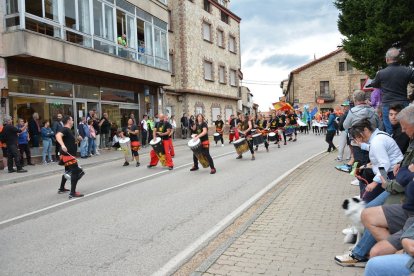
278,36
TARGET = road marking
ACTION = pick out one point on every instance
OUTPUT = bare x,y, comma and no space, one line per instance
181,258
98,192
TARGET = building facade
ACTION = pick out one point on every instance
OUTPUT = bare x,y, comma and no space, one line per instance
73,56
325,82
246,102
205,59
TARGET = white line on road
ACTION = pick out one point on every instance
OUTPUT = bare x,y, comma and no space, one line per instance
97,192
175,263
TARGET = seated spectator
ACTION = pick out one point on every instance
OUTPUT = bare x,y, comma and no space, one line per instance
115,139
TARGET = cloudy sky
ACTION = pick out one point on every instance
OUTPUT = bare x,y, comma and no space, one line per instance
278,36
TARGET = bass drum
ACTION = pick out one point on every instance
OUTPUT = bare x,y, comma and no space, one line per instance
158,147
196,147
125,144
257,139
241,146
217,137
272,137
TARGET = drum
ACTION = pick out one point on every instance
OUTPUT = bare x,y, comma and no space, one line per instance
265,132
253,131
125,144
257,139
68,174
241,146
196,147
217,137
289,130
193,135
158,147
272,137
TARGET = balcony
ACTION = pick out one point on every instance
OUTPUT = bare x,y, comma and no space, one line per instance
326,96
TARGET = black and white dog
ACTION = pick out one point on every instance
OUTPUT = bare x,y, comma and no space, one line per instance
353,208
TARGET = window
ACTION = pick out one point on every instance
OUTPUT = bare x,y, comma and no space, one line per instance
199,110
172,67
349,66
220,38
207,6
103,20
208,70
341,66
324,87
11,6
229,112
224,17
215,111
160,46
206,31
125,24
46,8
233,77
232,44
51,10
222,74
34,7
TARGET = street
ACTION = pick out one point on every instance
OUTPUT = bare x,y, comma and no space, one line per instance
132,220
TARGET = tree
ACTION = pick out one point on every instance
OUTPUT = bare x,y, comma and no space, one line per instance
370,27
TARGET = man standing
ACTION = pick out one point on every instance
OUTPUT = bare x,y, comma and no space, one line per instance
393,82
10,133
184,126
34,132
330,132
162,129
105,126
83,131
57,126
144,130
67,142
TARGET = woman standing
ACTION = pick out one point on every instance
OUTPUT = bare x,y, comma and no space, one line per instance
245,127
91,139
201,130
47,135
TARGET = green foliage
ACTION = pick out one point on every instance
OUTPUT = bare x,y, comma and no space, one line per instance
371,27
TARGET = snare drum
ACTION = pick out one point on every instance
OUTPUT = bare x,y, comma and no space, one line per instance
272,137
196,147
125,144
158,148
257,139
217,137
241,146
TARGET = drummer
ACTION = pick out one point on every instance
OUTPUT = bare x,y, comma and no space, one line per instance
262,126
162,129
233,129
273,126
200,128
245,127
172,151
219,129
132,132
281,125
293,117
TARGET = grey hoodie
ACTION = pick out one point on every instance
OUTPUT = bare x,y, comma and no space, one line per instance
359,113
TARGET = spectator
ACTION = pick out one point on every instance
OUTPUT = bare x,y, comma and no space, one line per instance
47,134
83,131
132,117
91,139
331,131
184,126
105,126
191,123
375,98
397,134
3,148
90,114
173,123
144,131
57,126
115,140
343,138
34,132
23,141
97,133
393,82
10,138
151,125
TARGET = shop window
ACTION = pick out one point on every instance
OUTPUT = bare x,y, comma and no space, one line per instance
87,92
39,87
114,95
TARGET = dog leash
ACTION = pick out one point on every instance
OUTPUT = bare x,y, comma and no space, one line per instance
366,184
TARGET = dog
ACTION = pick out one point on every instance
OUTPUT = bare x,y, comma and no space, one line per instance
353,208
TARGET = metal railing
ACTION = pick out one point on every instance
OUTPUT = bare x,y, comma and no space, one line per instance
327,96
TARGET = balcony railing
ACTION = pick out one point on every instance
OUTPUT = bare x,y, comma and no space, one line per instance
326,96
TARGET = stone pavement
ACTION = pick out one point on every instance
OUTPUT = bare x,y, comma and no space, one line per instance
299,233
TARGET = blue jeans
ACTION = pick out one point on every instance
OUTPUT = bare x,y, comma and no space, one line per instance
385,114
47,146
367,241
84,147
388,265
91,146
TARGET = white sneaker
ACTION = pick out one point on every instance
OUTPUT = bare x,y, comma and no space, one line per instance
350,231
355,182
222,145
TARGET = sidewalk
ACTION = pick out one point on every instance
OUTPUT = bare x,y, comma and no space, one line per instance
45,170
298,233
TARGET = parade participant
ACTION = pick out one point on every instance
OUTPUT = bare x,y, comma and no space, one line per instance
234,134
262,125
281,125
245,127
132,132
162,129
293,117
68,147
200,128
10,138
219,129
273,125
172,152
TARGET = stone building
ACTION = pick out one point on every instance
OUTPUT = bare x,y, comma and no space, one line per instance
246,102
204,40
325,82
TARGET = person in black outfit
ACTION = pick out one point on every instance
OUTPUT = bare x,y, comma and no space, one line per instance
132,132
401,138
191,124
34,131
185,124
57,126
200,128
10,138
105,126
261,125
220,129
68,145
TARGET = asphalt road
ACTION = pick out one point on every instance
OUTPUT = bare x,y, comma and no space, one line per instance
133,220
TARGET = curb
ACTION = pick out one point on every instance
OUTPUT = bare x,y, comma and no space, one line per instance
184,256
